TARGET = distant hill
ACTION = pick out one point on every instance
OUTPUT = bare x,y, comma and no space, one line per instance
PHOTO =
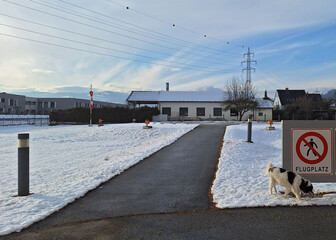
78,92
331,94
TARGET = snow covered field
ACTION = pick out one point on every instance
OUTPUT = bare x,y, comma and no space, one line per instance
241,181
68,161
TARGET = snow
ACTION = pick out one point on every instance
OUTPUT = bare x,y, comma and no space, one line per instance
240,179
68,161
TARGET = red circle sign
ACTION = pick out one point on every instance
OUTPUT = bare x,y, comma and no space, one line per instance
320,157
91,93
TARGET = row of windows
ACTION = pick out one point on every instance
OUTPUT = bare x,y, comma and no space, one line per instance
81,104
11,102
200,112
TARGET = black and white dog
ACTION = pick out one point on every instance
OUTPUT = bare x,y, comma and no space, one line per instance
289,180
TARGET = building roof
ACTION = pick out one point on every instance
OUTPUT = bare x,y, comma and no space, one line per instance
176,96
153,97
315,97
287,96
290,96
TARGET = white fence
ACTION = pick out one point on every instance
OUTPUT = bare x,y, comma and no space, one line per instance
8,120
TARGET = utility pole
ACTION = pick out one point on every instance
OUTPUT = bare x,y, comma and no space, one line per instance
248,65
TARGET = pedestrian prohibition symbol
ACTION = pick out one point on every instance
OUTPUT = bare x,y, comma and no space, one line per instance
311,147
311,151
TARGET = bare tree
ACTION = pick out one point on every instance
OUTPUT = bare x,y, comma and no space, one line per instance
240,96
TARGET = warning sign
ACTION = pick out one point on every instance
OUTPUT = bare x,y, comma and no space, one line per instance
312,151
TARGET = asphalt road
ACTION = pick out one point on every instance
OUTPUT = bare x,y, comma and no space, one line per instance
166,196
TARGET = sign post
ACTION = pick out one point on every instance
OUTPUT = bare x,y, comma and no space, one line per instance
91,105
308,149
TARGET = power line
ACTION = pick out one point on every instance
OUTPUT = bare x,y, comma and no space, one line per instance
272,74
109,55
100,39
55,7
175,25
137,26
162,38
105,48
105,30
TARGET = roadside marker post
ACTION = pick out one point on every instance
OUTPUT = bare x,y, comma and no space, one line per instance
23,164
270,128
308,149
91,105
249,130
147,127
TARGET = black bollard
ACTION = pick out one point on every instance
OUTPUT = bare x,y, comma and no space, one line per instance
23,164
249,130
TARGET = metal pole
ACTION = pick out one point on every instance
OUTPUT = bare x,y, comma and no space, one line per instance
23,164
249,130
91,105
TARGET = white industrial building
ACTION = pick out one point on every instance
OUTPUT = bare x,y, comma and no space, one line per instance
196,105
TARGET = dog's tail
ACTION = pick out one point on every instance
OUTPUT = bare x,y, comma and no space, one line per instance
268,168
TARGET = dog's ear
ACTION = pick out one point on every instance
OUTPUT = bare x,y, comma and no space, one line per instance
268,168
270,165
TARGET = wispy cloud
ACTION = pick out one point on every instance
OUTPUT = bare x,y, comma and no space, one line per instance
279,32
38,70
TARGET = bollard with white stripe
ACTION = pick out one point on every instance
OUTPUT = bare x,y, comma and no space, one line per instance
23,164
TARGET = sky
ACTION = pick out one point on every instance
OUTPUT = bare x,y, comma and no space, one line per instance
61,47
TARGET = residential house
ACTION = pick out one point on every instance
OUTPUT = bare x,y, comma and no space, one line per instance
287,97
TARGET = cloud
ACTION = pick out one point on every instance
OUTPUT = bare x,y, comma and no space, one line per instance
29,65
38,70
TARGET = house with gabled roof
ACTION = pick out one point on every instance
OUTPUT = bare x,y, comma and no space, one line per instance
196,105
285,97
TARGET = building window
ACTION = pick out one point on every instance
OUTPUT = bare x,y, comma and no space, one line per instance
200,112
40,104
166,110
233,112
260,114
183,111
2,100
11,102
45,104
52,104
218,112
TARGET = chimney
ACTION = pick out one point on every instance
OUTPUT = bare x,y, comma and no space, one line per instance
265,97
167,86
